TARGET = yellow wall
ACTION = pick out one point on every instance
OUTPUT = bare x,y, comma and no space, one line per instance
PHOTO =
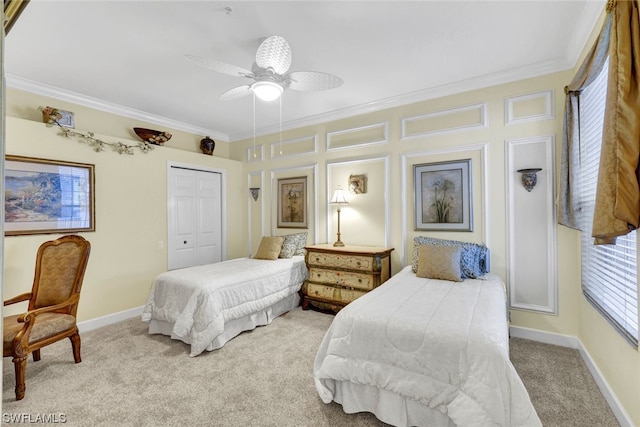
385,214
131,214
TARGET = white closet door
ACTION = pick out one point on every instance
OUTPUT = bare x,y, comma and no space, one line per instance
194,217
209,218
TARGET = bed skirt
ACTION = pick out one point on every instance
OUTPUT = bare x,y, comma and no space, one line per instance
388,407
233,327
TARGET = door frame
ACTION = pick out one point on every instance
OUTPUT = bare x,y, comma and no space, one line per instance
223,200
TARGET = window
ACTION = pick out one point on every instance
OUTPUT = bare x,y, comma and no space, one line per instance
609,272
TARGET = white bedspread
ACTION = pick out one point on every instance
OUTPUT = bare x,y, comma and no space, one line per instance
443,344
200,300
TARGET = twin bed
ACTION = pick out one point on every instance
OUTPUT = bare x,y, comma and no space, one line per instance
429,347
206,306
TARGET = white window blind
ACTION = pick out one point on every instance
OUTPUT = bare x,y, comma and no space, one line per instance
609,272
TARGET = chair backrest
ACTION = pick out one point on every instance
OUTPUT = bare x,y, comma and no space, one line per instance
60,267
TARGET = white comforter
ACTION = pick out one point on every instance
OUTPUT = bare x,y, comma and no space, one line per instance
443,344
200,300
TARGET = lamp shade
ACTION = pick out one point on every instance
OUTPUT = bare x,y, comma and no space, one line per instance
267,90
338,197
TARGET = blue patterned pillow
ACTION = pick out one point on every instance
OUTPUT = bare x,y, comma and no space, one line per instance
473,259
302,242
293,245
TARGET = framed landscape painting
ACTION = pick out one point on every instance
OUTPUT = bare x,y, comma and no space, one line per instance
292,202
443,196
47,196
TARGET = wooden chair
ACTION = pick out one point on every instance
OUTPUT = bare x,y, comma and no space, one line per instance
53,302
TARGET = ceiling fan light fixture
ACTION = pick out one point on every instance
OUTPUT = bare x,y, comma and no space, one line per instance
267,90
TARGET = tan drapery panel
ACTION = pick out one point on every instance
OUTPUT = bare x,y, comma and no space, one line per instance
617,209
570,160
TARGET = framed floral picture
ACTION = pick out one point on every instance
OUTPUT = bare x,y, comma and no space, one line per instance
47,196
443,196
292,202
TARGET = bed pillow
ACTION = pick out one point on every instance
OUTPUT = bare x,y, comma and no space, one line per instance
439,262
269,247
472,259
302,242
293,244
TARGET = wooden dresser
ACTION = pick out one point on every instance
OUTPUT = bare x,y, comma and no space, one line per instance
338,275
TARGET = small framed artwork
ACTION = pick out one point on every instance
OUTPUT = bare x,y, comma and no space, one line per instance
67,119
292,202
47,196
358,184
443,196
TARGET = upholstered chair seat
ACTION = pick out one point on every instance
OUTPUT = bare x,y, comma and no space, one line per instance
47,325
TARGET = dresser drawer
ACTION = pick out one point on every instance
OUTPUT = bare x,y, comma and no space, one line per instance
351,262
320,291
342,278
331,293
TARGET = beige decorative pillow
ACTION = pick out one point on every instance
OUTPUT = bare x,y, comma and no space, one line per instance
269,247
439,262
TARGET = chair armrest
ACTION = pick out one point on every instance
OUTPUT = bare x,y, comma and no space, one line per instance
19,298
30,316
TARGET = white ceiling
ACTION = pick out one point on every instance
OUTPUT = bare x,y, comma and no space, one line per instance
127,57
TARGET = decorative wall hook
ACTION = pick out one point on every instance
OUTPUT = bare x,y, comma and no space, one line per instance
529,177
254,193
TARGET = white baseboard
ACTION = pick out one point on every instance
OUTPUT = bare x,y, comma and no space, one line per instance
573,342
545,337
109,319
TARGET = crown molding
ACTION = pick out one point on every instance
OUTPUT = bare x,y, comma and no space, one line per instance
31,86
508,76
481,82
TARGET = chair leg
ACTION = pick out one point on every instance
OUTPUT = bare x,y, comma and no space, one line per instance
75,343
20,365
36,355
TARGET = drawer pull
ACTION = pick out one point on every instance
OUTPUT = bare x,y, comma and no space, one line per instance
358,263
359,280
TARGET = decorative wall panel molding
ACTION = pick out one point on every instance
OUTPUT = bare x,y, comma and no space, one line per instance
358,136
256,209
457,119
311,172
366,205
294,147
529,108
531,229
258,151
407,161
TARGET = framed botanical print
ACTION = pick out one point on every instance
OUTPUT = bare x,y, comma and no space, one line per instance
47,196
443,196
292,202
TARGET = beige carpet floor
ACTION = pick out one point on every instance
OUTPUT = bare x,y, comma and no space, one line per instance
261,378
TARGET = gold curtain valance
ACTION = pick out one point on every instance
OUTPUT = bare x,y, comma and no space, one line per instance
12,10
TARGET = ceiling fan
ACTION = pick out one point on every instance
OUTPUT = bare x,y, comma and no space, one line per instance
270,73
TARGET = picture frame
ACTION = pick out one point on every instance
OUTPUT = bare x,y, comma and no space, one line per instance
66,120
292,202
443,196
48,196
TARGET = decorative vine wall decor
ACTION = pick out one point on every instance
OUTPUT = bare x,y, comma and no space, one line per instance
97,144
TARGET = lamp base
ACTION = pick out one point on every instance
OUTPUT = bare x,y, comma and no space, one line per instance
338,243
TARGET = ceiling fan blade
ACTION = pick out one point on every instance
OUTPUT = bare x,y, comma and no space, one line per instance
236,92
274,52
220,67
312,80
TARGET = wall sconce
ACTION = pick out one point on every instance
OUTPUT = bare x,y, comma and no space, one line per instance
338,199
529,177
254,193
